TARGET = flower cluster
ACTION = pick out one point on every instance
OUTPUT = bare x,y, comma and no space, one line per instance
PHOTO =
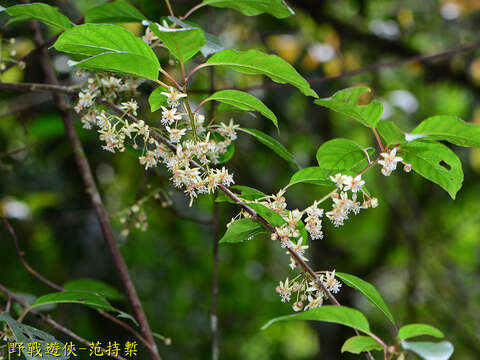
307,291
10,49
389,162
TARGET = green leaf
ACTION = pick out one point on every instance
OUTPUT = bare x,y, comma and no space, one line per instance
27,334
277,8
109,47
345,102
412,330
430,350
271,143
358,344
367,289
243,101
271,216
43,12
86,298
156,99
212,43
254,62
451,129
329,313
339,155
311,175
390,132
246,193
184,43
435,162
241,230
94,286
115,12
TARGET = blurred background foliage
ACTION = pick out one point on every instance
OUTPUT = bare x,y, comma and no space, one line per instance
419,247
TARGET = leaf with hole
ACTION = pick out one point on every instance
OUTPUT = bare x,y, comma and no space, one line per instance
360,343
413,330
367,289
329,313
277,8
109,47
119,11
346,102
449,128
255,62
435,162
429,350
242,230
243,101
42,12
184,43
26,335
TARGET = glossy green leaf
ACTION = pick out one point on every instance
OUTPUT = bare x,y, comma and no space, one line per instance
329,313
109,47
449,128
435,162
358,344
346,102
95,286
277,8
271,216
390,132
244,192
311,175
42,12
367,289
258,63
184,43
412,330
115,12
339,155
271,143
242,230
157,99
429,350
212,43
243,101
26,334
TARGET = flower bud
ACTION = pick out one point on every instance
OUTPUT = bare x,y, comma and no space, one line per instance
297,306
407,168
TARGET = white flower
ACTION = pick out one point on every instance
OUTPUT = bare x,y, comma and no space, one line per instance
330,282
338,179
353,183
130,107
176,134
229,130
149,160
173,97
285,290
389,161
169,116
314,302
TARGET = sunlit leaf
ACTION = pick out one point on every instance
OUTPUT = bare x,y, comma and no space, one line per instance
311,175
115,12
277,8
157,99
390,132
42,12
360,343
338,155
242,230
413,330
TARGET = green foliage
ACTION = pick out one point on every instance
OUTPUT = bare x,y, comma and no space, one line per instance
449,128
106,47
346,102
183,43
435,162
367,289
246,193
271,143
360,343
26,334
390,132
430,350
243,101
413,330
95,286
339,155
156,99
39,11
115,12
329,313
241,230
311,175
277,8
254,62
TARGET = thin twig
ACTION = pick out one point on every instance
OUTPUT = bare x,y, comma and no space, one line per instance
91,188
53,323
